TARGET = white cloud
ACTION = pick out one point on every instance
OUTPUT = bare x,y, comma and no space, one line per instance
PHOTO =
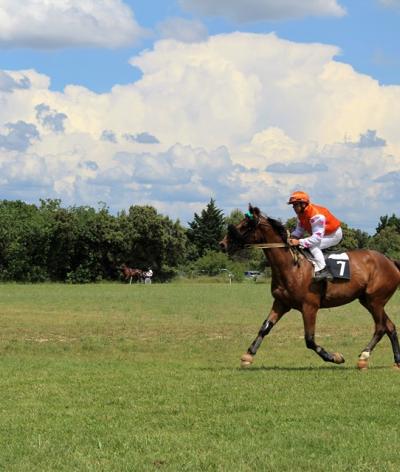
8,83
187,31
48,24
108,135
50,118
240,117
390,3
19,136
144,138
258,10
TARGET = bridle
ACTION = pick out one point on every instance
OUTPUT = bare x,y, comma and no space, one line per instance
294,251
257,222
266,245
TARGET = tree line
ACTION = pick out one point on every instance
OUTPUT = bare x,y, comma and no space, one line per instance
78,244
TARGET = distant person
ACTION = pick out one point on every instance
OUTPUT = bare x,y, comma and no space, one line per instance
147,276
323,228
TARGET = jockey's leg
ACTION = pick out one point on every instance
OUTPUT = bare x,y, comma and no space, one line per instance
331,239
327,241
321,272
318,257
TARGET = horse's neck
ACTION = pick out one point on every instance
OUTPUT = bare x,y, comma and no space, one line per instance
282,267
280,259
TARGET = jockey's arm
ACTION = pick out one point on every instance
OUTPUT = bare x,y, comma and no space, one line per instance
298,231
318,232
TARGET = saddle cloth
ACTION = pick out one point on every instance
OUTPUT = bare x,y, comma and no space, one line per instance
338,264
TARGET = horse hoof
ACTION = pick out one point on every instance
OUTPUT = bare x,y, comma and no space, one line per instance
338,358
362,364
396,366
246,360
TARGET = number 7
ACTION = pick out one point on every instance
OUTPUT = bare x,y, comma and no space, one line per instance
343,265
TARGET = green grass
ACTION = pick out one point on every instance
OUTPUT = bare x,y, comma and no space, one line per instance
133,378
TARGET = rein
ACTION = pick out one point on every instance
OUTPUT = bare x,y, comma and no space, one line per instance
293,250
267,245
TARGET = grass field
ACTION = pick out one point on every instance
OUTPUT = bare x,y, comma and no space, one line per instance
134,378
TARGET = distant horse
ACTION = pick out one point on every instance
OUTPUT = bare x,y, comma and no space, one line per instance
132,274
374,279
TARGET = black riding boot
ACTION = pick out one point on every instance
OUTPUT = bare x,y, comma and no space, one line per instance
323,274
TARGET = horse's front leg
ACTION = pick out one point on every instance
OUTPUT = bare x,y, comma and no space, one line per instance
309,318
277,311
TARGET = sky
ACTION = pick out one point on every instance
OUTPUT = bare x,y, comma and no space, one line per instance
172,103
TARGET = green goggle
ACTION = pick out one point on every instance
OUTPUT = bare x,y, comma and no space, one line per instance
249,215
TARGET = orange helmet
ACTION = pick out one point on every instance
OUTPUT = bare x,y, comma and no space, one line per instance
299,197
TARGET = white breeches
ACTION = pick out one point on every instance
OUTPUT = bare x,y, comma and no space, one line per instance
327,241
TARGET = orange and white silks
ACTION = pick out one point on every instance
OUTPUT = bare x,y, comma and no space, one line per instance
311,210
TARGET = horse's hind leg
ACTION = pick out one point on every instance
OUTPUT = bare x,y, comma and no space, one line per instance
276,313
383,325
309,319
391,332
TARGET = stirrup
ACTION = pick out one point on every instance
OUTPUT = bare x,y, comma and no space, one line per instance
322,274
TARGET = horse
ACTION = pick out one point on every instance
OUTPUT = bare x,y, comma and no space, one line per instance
374,279
132,274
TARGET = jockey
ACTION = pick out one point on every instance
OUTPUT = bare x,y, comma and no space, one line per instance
324,230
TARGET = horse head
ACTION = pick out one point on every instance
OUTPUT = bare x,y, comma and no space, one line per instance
255,228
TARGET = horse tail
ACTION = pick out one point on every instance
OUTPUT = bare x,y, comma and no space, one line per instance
395,262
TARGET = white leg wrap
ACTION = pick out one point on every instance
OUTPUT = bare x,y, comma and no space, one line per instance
365,355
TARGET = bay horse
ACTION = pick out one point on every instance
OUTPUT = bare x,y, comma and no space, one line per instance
374,279
132,274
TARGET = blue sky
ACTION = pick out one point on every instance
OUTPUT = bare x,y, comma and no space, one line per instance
173,102
368,36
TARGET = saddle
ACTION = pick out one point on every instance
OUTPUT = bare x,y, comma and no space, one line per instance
337,264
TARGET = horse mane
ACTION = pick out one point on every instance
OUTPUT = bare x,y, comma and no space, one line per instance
278,227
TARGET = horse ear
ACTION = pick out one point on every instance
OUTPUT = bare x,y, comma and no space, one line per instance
256,212
250,213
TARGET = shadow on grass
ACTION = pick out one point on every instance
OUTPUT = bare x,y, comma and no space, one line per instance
292,369
310,369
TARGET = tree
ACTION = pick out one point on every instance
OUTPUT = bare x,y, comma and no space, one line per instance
206,230
152,240
352,239
235,217
291,223
83,242
24,235
387,241
385,221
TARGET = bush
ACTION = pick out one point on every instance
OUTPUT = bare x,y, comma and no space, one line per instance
82,275
215,264
211,263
